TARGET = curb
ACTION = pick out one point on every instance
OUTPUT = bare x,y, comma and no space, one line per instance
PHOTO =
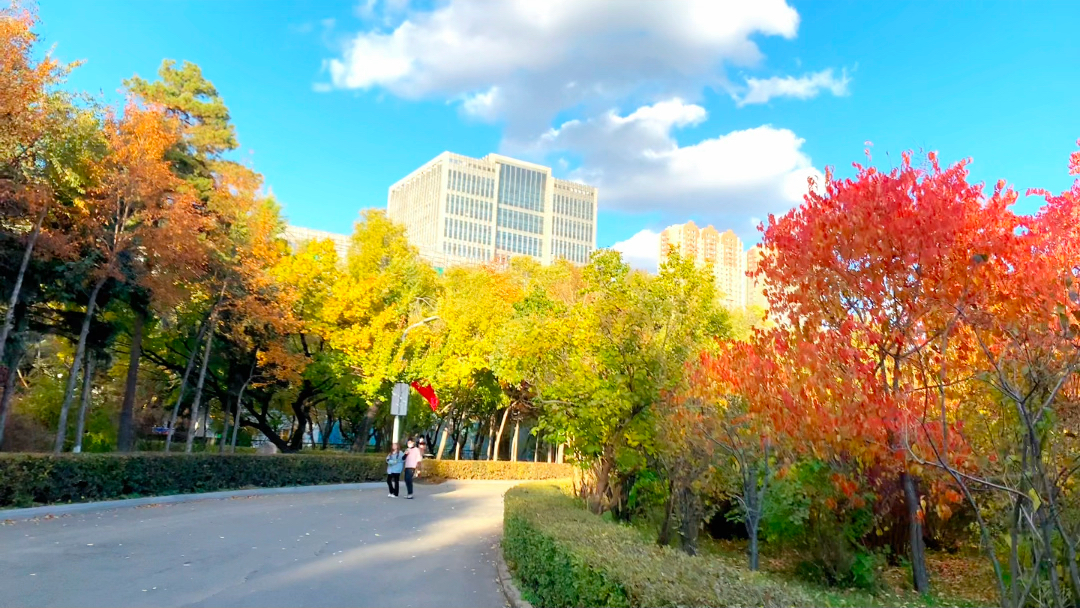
506,582
107,505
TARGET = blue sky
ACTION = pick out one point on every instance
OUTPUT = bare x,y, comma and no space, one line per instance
704,110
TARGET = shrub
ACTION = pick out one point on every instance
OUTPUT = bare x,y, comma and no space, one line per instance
826,526
494,470
564,555
28,479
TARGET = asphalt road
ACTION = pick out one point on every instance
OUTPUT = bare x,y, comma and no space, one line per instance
341,548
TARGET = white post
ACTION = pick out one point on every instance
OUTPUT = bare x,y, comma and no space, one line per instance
397,428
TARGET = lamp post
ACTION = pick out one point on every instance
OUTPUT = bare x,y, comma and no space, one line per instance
399,400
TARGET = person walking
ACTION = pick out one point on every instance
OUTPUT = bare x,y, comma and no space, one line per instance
395,462
413,458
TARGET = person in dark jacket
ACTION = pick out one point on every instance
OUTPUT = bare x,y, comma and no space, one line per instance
413,458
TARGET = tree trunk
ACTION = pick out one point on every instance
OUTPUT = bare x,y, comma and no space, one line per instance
13,300
514,442
183,382
125,440
442,439
205,427
364,436
551,453
491,437
919,575
192,421
76,365
689,520
458,444
603,479
84,406
12,361
478,441
498,436
664,537
302,412
327,430
536,449
236,418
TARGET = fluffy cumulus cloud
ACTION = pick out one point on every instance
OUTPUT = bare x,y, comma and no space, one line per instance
523,61
726,180
641,250
805,87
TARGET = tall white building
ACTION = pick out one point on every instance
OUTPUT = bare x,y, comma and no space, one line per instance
458,209
296,236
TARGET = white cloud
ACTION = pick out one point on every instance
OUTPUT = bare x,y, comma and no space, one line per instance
641,250
483,105
726,180
805,87
544,57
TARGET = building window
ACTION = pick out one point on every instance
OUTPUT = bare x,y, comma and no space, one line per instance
519,220
522,188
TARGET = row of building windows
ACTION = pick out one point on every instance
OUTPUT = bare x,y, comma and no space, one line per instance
520,187
519,243
572,229
463,250
520,220
471,184
467,231
575,252
573,207
457,204
414,204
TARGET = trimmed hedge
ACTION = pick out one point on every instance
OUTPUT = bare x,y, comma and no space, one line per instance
564,556
29,479
486,469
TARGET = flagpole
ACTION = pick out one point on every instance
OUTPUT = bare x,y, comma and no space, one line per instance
397,418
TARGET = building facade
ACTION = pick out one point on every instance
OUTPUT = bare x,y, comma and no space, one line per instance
755,286
708,247
296,236
459,210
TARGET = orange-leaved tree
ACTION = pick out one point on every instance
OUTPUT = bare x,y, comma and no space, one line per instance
137,215
878,263
1025,334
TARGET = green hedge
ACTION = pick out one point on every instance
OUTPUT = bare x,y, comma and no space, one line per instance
564,555
29,479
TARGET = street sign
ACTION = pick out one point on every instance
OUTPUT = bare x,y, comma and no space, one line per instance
399,401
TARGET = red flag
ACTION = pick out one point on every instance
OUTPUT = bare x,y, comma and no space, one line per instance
428,394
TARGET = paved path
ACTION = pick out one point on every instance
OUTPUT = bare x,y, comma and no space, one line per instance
347,548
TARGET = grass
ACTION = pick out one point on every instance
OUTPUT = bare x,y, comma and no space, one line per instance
959,580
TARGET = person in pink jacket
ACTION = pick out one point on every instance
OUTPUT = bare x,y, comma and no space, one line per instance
413,458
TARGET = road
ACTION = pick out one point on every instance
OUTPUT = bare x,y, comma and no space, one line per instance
341,548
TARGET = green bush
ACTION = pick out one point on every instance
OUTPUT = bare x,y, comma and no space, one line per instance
826,527
29,479
564,555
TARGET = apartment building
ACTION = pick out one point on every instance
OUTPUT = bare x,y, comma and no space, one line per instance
755,287
722,252
459,210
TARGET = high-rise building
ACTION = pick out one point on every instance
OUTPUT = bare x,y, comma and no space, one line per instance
458,209
731,270
723,252
755,286
296,236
